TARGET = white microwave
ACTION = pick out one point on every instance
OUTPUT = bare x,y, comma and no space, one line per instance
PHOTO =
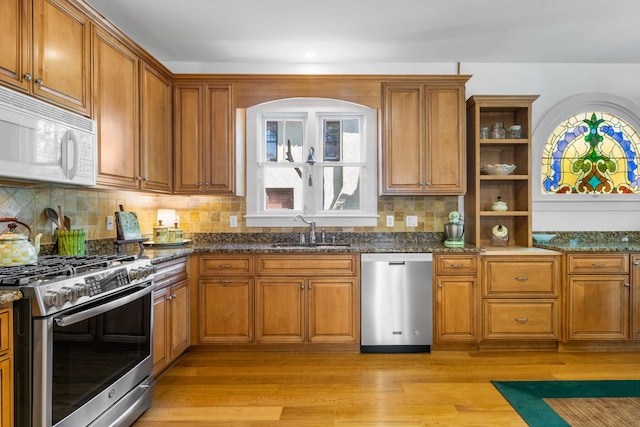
40,142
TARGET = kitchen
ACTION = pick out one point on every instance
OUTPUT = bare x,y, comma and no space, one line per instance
89,208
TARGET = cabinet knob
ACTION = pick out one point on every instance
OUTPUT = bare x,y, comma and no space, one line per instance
145,179
169,297
439,285
309,287
206,184
626,285
199,184
27,76
428,184
39,82
301,286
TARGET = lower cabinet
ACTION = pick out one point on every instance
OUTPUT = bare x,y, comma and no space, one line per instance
520,297
456,299
599,297
297,309
6,365
275,299
170,314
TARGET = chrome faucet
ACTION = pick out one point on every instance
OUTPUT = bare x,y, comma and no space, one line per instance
312,228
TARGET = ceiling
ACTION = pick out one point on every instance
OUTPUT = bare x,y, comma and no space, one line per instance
259,32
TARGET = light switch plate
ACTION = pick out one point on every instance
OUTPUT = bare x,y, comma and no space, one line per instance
411,220
109,223
390,221
233,221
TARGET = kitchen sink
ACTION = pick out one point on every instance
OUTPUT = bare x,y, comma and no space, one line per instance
311,245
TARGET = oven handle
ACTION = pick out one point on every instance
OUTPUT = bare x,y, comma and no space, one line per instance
101,309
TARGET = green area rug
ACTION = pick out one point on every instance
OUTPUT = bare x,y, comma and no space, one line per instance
527,397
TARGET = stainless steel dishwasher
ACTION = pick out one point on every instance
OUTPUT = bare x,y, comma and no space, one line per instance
396,303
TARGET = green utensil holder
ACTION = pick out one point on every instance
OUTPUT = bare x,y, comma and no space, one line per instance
71,242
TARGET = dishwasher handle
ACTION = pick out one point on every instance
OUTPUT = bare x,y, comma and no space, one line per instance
396,262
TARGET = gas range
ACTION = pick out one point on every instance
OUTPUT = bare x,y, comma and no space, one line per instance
58,283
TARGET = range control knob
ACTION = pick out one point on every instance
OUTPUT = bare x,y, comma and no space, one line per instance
69,293
135,274
53,298
82,289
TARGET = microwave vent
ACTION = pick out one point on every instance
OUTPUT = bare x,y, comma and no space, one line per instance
32,106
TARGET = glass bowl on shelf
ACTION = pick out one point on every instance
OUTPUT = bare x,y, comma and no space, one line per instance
498,169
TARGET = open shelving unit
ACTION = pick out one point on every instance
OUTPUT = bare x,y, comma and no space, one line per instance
483,190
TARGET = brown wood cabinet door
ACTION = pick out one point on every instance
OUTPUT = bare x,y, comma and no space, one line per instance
179,318
15,33
62,55
226,310
331,310
403,139
598,307
6,390
219,154
445,140
156,145
188,138
160,329
456,309
280,310
115,72
635,296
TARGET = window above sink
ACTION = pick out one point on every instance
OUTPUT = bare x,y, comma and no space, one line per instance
311,156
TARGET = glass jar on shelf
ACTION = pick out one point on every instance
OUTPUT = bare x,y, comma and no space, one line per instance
498,131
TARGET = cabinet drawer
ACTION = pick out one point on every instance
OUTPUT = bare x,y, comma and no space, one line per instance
509,319
225,265
170,272
456,265
598,263
5,330
530,278
308,265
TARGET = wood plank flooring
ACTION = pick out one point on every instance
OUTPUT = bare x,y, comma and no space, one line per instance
251,389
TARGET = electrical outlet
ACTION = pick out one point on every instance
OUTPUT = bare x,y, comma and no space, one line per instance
411,220
390,221
109,223
233,221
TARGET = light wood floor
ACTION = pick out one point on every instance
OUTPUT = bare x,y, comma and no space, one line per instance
356,390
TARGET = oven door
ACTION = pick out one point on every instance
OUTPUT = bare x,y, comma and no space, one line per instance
89,358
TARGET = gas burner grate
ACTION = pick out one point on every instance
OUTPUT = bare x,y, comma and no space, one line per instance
54,266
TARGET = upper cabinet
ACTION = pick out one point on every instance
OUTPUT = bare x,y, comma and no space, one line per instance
156,143
133,108
423,137
511,227
204,138
46,51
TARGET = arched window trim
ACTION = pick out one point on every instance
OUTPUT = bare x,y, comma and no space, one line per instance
586,102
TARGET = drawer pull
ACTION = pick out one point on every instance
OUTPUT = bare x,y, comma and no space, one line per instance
598,264
225,266
521,319
225,282
456,265
521,278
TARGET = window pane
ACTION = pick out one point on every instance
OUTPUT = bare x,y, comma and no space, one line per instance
283,140
283,188
592,153
341,188
342,140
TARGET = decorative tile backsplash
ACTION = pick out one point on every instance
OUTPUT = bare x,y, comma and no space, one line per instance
88,209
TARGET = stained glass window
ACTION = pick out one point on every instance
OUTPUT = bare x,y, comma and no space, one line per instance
591,153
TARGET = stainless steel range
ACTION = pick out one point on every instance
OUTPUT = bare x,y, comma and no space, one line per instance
83,336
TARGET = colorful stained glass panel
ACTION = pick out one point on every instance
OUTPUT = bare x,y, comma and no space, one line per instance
591,153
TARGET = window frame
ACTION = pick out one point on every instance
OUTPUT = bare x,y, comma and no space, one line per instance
312,111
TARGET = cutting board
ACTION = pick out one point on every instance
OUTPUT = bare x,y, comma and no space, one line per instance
127,226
